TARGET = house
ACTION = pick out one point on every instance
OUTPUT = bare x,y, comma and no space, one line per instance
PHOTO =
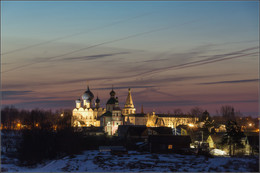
220,128
200,135
141,131
216,140
131,131
157,131
210,141
183,129
251,145
250,142
168,143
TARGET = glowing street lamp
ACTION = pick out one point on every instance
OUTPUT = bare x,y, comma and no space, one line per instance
250,124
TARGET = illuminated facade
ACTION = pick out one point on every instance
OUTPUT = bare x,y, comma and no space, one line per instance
112,118
158,120
86,113
175,120
136,119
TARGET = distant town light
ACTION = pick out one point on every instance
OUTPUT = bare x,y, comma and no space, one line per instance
250,124
61,115
191,125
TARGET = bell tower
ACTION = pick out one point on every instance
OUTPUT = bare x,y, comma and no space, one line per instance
129,105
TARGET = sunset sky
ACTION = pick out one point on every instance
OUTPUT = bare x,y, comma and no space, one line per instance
172,54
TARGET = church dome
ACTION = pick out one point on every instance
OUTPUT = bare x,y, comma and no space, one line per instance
97,100
112,93
87,95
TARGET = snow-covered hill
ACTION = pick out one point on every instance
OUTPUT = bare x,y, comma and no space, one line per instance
94,161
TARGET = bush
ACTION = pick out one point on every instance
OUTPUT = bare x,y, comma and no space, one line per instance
38,145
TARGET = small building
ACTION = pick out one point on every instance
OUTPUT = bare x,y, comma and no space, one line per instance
182,129
141,131
157,131
136,132
251,145
168,143
220,128
216,140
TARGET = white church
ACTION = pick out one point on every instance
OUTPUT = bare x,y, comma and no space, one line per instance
87,114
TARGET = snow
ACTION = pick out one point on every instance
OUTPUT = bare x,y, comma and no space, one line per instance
218,152
95,161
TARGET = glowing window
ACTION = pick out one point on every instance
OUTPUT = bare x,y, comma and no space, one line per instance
169,147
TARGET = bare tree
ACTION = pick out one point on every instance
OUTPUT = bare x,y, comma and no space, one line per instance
197,112
227,112
177,111
233,137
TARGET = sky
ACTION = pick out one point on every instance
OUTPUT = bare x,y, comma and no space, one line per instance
171,54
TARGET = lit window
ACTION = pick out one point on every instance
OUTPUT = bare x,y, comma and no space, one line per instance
169,147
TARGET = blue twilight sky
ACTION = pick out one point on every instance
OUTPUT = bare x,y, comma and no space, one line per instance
172,54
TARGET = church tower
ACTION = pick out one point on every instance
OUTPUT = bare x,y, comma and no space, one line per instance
129,105
116,117
112,101
97,104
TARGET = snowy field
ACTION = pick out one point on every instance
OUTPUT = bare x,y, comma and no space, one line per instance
94,161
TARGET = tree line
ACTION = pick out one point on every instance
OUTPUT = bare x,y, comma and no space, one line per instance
15,119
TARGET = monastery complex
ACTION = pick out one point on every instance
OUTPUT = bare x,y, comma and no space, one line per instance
89,113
